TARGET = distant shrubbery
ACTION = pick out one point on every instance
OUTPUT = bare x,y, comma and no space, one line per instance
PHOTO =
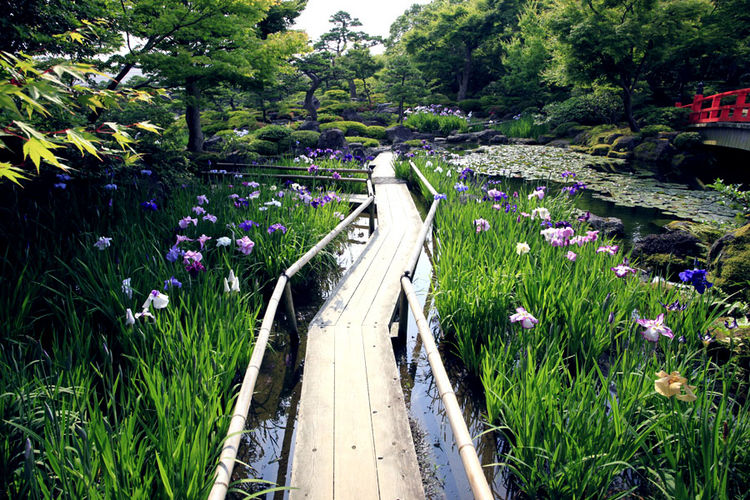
588,109
672,117
347,127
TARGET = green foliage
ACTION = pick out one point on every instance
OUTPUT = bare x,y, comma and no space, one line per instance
274,133
375,131
436,124
347,127
525,126
240,119
734,193
306,138
672,117
336,108
401,82
265,148
325,118
335,95
687,140
365,141
588,109
471,105
654,130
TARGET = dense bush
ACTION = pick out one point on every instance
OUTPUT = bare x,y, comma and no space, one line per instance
337,95
471,105
347,127
441,99
588,109
265,148
327,117
242,119
687,140
273,133
375,131
337,108
653,130
672,117
305,138
365,141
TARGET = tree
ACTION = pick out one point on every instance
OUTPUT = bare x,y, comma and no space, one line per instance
317,67
402,82
618,42
360,63
223,47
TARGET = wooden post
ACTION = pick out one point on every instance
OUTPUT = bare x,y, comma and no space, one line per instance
403,317
289,303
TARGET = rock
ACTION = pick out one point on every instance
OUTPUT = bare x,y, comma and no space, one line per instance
559,143
499,139
351,115
486,136
619,155
653,150
398,133
522,141
545,139
667,135
608,226
729,262
440,140
707,233
611,138
673,251
600,150
213,143
310,125
423,136
625,143
455,138
332,138
386,108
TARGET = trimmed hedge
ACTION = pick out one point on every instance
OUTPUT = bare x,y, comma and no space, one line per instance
365,141
348,128
327,118
266,148
375,131
274,133
306,138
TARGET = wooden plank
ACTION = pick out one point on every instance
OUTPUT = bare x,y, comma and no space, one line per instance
398,470
312,466
355,470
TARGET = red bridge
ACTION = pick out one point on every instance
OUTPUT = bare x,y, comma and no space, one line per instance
725,107
722,119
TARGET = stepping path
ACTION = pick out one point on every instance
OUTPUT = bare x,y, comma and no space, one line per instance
353,439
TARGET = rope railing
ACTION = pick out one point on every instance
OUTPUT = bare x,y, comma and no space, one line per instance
242,406
474,472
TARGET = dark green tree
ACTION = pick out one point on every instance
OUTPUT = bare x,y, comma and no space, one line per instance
401,82
360,63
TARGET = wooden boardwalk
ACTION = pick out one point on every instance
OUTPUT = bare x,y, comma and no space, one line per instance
353,439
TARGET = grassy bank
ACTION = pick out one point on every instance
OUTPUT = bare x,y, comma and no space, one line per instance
122,347
546,314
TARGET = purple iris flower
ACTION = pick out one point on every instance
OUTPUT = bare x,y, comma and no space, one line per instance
172,282
276,227
248,225
697,278
174,253
110,187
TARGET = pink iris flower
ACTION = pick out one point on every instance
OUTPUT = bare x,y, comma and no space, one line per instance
654,328
482,225
245,245
524,317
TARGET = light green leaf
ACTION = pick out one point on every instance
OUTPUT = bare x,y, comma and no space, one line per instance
148,126
39,150
82,143
11,173
164,477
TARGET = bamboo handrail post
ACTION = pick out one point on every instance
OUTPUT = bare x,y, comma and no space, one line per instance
289,303
479,486
371,192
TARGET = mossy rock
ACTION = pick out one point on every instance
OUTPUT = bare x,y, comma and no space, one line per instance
625,143
601,150
706,233
653,150
666,262
619,155
729,260
687,140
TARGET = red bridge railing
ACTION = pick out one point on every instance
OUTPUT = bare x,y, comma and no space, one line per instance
710,109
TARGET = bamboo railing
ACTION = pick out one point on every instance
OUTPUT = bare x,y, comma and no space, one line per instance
242,406
466,450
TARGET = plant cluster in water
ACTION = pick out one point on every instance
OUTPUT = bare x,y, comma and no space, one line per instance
602,383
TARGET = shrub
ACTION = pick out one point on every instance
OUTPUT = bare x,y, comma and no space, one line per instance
365,141
687,140
347,127
336,95
337,108
653,130
564,129
672,117
375,131
241,119
441,99
306,138
589,109
273,133
265,148
326,118
470,105
415,143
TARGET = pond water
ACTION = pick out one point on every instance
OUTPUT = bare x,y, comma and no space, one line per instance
643,196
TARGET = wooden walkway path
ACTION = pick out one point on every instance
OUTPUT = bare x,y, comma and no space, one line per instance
353,439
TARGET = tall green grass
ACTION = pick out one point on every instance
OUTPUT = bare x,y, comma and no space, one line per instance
574,396
93,408
524,126
436,124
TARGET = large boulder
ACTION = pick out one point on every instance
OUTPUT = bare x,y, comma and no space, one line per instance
332,138
310,125
457,138
729,262
486,136
674,250
398,133
523,141
608,226
653,150
351,115
625,143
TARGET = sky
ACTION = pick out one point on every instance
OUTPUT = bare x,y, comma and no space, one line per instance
376,15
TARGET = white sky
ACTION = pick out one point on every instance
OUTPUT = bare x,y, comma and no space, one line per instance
376,15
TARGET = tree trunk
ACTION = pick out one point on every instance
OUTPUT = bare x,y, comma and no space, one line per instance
627,104
367,92
463,84
193,115
352,89
309,105
122,74
401,112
